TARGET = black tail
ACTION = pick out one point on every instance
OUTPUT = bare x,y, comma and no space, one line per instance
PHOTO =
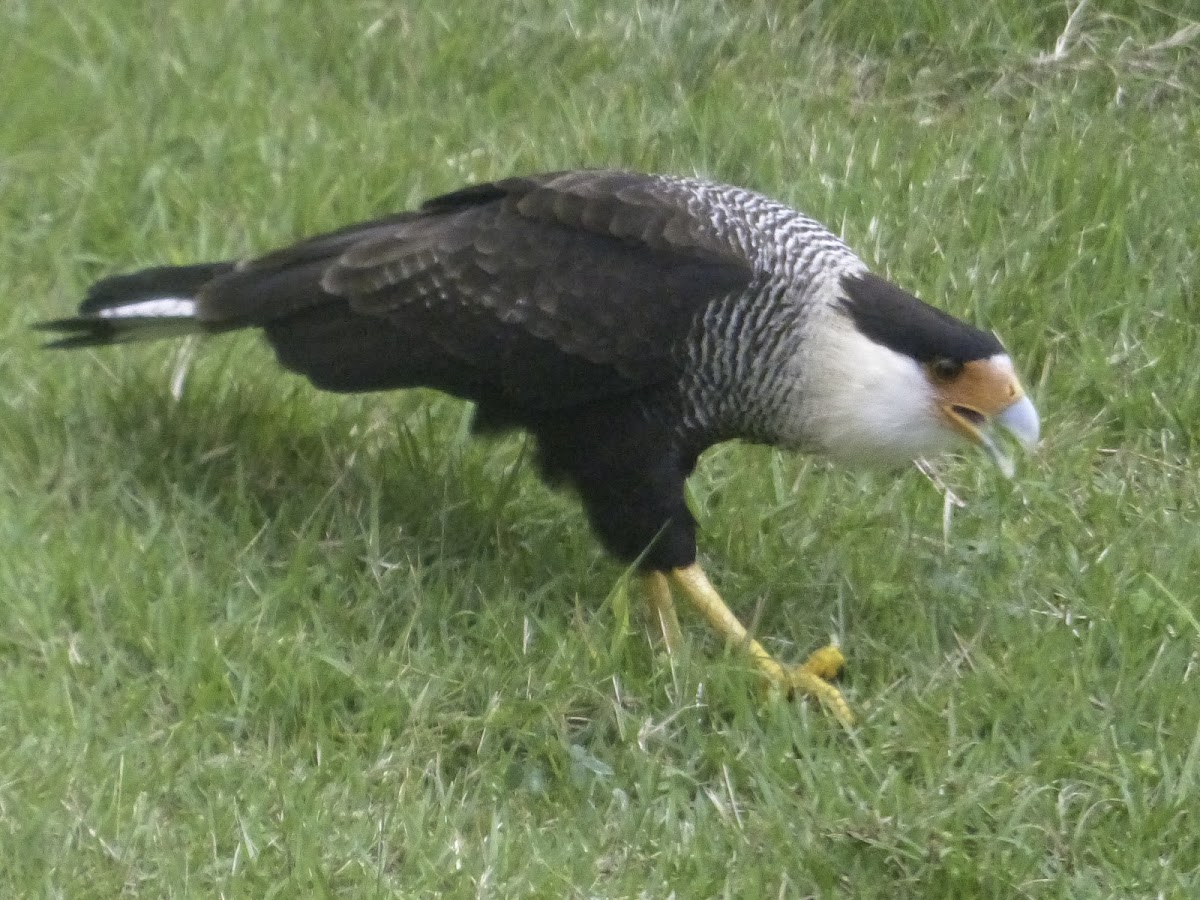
146,305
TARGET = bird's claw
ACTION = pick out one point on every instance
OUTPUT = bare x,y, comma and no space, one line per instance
813,677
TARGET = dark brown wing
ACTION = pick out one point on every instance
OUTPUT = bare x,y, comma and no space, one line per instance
537,292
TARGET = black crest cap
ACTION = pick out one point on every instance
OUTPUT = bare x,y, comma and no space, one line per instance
896,319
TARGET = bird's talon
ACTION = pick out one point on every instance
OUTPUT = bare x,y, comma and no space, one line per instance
812,679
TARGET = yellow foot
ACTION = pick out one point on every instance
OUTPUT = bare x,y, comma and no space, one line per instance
826,663
810,678
813,678
662,608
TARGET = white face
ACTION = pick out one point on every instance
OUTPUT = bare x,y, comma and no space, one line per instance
858,401
876,406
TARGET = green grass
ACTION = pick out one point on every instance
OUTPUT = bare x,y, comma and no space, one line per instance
258,641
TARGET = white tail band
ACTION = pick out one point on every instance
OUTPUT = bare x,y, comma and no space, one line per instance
164,307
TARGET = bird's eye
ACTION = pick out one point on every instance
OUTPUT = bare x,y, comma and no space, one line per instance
945,369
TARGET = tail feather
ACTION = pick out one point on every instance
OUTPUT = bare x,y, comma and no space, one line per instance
151,284
141,306
99,331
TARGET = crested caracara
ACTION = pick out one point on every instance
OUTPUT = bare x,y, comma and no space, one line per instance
627,322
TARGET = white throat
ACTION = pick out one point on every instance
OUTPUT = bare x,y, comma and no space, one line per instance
861,402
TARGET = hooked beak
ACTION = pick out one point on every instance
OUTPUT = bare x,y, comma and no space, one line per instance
1020,420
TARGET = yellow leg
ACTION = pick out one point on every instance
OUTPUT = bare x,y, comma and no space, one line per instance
810,678
658,595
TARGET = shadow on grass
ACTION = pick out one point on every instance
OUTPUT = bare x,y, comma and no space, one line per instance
398,471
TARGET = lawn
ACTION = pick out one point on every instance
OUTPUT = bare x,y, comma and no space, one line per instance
261,641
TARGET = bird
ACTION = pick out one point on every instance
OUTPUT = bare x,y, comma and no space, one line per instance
627,322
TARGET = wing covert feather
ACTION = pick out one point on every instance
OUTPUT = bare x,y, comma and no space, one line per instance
556,289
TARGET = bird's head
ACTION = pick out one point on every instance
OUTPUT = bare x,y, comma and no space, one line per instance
894,379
